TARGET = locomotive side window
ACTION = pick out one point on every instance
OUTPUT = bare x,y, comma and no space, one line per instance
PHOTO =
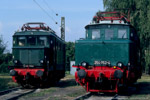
86,35
14,41
109,34
42,41
21,41
122,33
95,34
31,40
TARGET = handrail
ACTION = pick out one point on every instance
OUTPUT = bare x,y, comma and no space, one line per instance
39,26
114,15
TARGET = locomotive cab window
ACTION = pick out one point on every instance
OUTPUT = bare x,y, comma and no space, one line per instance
95,34
42,41
31,40
122,33
21,41
109,34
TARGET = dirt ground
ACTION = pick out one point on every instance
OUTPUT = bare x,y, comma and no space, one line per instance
66,89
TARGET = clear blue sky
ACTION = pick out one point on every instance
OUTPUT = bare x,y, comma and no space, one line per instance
77,13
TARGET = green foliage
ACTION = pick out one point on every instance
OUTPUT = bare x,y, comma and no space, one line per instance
6,82
7,61
70,51
2,48
140,19
5,58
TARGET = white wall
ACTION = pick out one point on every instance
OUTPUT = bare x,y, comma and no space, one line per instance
72,69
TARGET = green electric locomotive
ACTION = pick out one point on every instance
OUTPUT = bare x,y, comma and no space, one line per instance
38,56
108,57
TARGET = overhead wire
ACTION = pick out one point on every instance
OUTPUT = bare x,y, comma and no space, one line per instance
50,8
45,12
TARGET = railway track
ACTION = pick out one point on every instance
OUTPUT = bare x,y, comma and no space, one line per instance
9,90
15,93
124,95
91,96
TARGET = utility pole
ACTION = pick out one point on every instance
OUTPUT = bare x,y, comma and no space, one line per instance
63,28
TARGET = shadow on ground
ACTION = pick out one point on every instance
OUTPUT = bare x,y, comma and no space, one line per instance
66,83
143,88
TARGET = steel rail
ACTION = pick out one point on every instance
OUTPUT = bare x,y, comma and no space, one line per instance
9,90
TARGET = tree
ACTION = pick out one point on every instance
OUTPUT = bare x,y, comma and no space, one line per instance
2,48
70,51
5,58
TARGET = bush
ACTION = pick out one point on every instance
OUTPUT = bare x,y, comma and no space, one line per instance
5,58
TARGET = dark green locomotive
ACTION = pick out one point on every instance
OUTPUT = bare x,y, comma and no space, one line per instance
108,57
38,55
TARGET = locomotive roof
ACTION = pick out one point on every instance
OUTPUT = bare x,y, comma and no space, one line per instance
33,33
105,23
41,29
35,23
110,18
37,33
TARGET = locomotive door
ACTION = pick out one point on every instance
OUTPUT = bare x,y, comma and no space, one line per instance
29,57
33,57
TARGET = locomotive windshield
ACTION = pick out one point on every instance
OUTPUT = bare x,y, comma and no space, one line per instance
122,33
109,34
42,41
95,34
21,41
30,41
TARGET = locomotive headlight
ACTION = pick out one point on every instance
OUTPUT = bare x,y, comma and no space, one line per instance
41,61
15,61
84,64
119,64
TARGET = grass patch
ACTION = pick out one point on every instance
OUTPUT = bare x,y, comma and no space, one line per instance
145,78
139,97
3,77
6,82
67,73
70,76
76,94
41,93
4,74
143,92
57,98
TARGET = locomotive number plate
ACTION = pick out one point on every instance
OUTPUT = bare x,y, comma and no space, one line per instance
102,62
28,65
